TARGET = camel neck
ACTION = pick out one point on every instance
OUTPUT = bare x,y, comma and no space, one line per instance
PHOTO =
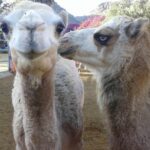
38,97
39,114
125,85
121,94
126,110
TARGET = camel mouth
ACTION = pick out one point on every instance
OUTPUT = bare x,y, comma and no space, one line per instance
32,55
70,53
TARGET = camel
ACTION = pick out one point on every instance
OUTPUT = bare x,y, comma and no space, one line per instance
119,54
48,93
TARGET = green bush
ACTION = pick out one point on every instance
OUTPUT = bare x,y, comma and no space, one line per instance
134,9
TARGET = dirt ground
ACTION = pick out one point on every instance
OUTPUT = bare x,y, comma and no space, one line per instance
94,132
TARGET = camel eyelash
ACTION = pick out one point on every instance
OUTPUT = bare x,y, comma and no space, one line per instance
5,28
60,27
101,38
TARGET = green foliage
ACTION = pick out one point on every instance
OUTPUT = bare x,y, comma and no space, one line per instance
134,9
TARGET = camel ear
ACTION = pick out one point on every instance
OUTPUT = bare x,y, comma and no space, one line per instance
64,15
133,29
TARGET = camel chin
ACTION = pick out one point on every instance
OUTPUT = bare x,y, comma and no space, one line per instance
43,61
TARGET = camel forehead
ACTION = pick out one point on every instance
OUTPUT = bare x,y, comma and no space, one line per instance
47,17
42,10
116,23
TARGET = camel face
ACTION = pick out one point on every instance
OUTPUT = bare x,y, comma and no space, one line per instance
29,32
33,34
101,47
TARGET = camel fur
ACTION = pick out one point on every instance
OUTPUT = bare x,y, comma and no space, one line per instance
119,54
48,93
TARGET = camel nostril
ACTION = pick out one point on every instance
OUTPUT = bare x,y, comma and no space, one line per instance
64,40
31,28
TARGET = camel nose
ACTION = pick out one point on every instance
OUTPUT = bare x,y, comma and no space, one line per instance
31,20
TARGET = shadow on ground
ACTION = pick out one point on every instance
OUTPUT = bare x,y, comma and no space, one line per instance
94,133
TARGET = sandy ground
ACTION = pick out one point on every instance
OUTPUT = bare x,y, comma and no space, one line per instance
94,133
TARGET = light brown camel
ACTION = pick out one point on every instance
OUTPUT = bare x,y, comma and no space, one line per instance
48,93
119,53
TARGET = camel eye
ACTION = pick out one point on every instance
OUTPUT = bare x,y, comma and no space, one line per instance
60,27
4,27
101,38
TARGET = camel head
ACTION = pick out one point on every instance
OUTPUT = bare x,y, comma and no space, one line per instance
99,48
32,30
